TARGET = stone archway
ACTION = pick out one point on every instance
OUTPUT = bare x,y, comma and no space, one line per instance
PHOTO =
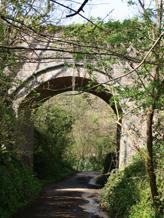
46,82
57,79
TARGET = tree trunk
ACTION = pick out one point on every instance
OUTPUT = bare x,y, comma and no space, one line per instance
149,162
118,138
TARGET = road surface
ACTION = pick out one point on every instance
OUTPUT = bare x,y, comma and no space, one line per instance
72,198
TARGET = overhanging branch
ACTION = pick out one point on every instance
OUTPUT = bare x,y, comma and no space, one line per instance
79,10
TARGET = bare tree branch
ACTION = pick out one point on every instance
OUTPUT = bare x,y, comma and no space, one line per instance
79,10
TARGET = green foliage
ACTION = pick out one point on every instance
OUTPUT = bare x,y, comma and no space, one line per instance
121,191
8,121
18,187
144,207
17,184
48,163
127,193
87,164
53,126
92,133
87,155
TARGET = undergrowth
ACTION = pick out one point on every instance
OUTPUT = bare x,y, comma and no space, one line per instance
127,193
17,187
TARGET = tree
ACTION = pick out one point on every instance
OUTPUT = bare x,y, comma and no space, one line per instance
52,137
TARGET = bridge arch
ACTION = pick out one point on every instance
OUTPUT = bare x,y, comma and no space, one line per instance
50,81
56,79
36,83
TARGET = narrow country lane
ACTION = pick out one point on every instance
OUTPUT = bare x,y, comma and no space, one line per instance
73,197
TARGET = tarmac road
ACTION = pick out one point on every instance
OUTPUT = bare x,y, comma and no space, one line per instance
73,197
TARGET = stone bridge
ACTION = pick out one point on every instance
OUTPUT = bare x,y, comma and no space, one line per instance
44,74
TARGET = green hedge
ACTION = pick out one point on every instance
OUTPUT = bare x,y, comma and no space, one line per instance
127,193
17,187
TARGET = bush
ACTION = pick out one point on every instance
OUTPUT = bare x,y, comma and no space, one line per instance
127,193
18,187
51,140
144,208
87,164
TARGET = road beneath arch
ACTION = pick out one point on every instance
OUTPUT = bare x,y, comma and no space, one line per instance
75,197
